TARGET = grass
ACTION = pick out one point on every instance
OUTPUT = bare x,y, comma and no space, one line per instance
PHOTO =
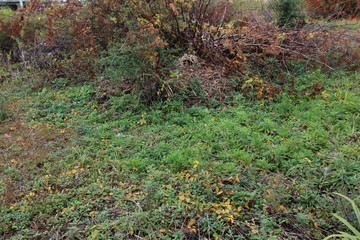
350,24
73,168
345,222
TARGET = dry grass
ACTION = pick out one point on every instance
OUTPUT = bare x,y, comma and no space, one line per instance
23,148
212,80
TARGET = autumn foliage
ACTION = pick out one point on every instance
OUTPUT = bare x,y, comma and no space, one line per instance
334,8
76,40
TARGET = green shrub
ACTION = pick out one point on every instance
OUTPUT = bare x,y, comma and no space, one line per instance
135,63
288,13
6,13
6,43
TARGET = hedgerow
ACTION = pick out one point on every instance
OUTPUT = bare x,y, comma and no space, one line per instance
76,40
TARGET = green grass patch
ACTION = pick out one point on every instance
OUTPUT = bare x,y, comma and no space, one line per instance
245,170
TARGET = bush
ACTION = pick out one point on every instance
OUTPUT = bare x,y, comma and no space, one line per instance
6,43
134,64
67,40
288,13
64,38
334,8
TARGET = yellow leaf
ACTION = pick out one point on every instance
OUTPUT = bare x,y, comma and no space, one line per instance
193,229
308,160
191,222
12,206
13,161
94,234
316,225
230,219
282,208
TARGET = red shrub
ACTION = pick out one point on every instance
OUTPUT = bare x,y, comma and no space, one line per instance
65,38
334,8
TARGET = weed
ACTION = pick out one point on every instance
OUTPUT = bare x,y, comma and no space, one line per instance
4,112
247,169
345,235
132,119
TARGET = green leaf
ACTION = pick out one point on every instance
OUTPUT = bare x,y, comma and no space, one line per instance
333,236
353,204
345,222
348,236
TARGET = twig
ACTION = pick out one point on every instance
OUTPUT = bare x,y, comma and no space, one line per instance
135,203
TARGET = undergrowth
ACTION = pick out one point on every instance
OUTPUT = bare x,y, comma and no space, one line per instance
131,119
246,170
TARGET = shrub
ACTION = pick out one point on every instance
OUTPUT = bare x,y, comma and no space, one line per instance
334,8
288,13
67,40
6,43
133,63
63,38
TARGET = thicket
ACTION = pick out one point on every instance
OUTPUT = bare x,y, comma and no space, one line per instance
134,46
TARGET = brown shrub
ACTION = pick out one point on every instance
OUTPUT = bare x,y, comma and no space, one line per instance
67,41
